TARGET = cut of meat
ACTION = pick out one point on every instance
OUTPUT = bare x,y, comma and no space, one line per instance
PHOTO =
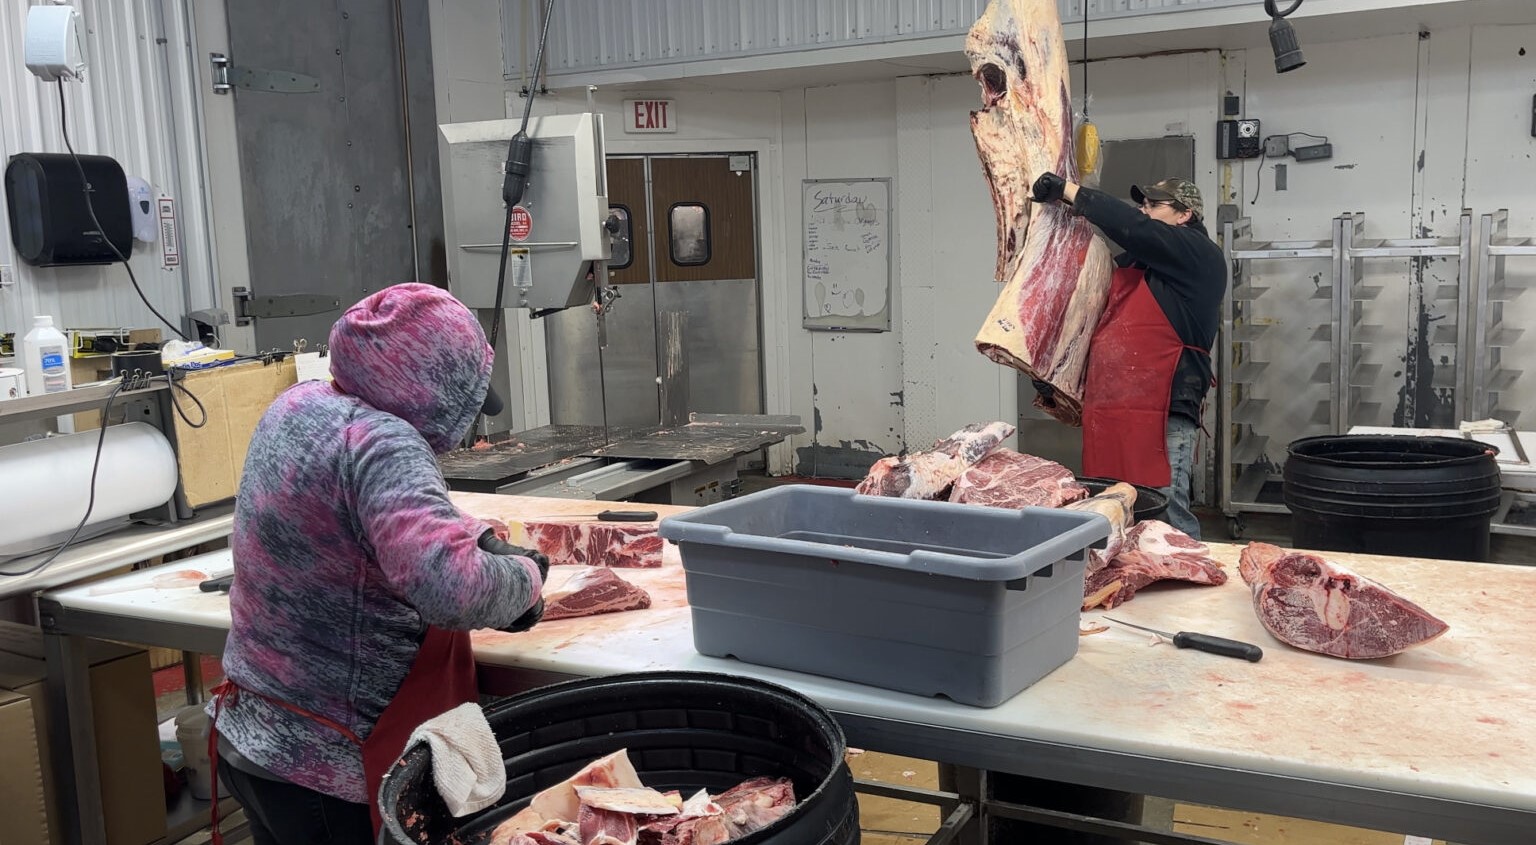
927,474
607,827
1320,606
1116,504
561,802
1055,271
593,590
1007,479
757,803
633,545
642,801
1153,551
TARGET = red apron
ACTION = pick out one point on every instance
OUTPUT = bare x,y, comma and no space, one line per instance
1131,364
441,678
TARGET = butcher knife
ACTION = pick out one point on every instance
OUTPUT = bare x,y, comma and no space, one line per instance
1203,642
604,516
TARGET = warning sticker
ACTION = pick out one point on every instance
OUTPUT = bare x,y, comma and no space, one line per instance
170,246
522,224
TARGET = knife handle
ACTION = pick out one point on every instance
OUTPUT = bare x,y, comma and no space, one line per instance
627,516
217,585
1218,645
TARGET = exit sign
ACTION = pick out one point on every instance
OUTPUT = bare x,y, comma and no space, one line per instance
650,116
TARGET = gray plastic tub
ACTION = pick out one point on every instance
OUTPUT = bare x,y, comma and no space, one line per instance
933,598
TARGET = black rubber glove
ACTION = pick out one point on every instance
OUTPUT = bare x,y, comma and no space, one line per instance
527,620
489,542
1048,188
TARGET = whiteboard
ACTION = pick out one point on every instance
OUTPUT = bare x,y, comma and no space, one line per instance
846,272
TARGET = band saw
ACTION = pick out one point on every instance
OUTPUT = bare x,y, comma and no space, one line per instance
541,246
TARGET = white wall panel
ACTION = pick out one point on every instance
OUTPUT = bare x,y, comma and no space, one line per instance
605,34
137,104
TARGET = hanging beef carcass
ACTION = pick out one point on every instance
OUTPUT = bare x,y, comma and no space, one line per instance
1054,270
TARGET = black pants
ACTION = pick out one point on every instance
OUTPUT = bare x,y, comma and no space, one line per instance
282,813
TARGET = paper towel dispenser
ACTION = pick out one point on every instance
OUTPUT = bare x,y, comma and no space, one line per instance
50,224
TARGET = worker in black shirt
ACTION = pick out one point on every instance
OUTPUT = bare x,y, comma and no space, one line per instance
1149,364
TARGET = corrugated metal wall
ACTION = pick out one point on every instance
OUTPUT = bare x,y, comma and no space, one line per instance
593,34
138,105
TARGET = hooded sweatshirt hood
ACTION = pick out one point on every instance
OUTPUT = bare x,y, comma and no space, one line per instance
414,351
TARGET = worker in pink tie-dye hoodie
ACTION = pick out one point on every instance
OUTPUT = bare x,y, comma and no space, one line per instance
346,548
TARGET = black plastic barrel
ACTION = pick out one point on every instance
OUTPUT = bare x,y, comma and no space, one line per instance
1427,497
683,730
1151,503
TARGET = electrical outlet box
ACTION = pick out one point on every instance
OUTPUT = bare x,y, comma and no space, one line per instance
1276,146
1238,139
1316,152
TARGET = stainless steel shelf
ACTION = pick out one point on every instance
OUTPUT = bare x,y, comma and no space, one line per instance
1323,293
1364,413
1249,332
1503,336
1249,449
84,398
1512,246
1249,371
1283,249
1249,411
1447,293
1506,415
1248,293
1366,293
1445,378
1365,375
1445,335
1367,334
1250,484
1507,291
1323,333
1322,413
1503,379
1323,374
1410,248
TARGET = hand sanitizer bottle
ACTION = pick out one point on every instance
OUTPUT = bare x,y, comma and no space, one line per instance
45,353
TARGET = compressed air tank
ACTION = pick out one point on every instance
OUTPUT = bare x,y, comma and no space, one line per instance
45,484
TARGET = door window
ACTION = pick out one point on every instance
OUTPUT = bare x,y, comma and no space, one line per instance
688,228
623,254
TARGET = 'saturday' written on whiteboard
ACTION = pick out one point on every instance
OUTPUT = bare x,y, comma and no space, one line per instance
835,202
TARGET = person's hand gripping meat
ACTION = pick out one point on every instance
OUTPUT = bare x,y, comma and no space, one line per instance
1049,188
495,542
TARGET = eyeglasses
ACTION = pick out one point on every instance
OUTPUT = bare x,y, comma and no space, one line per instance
1156,203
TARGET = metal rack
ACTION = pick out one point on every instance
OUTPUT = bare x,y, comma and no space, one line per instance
1243,471
1352,375
1489,377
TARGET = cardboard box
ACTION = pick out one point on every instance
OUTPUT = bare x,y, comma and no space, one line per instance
235,397
127,740
22,804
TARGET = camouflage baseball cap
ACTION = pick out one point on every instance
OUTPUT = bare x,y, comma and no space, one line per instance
1173,189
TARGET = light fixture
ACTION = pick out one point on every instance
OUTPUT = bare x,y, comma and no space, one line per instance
1282,38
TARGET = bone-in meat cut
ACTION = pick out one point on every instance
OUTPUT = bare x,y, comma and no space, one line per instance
1055,271
605,804
929,473
1320,606
593,590
632,545
1008,479
1118,505
1153,551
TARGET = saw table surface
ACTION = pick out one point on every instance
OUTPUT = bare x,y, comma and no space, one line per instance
1453,720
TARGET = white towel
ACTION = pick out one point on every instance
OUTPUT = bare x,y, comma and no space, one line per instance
466,761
